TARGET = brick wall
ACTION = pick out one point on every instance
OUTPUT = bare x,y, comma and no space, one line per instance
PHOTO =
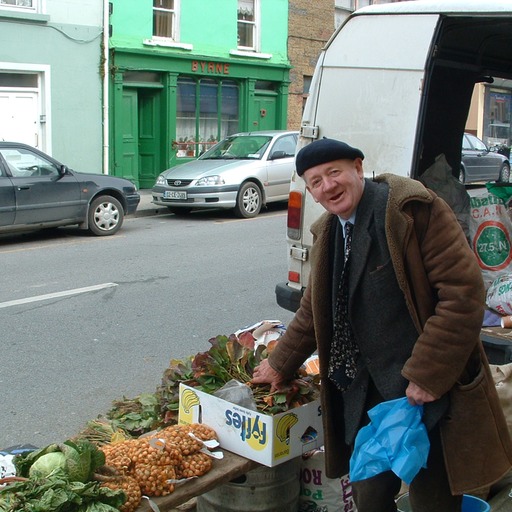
311,24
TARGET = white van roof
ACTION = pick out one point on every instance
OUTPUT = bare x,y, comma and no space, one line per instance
440,7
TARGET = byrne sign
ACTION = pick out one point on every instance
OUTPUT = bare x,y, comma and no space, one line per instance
212,68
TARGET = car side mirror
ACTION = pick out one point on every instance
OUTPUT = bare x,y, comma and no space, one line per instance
63,169
276,155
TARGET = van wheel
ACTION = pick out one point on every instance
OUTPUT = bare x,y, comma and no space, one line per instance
106,216
504,174
248,201
462,175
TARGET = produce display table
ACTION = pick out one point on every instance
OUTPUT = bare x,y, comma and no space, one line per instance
230,467
497,344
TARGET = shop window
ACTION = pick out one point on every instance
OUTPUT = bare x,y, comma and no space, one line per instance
229,108
247,15
30,5
207,111
165,19
186,117
142,77
28,80
208,114
265,85
497,117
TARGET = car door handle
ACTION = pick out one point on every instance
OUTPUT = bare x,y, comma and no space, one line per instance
25,187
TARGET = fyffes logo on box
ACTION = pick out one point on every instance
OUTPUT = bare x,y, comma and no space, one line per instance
282,434
188,400
253,431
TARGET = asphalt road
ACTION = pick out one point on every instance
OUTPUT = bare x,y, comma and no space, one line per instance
86,320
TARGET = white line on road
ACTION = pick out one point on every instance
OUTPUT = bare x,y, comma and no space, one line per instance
56,295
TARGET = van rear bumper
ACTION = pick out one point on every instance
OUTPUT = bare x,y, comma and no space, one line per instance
287,297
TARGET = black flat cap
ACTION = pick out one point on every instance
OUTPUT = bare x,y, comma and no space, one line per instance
323,151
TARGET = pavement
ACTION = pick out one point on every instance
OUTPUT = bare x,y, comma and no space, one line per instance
146,207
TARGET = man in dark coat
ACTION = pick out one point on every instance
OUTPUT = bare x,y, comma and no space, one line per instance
415,308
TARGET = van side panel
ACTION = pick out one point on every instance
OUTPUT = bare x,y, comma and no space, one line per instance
370,80
372,62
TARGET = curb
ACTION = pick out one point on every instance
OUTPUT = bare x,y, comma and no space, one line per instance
146,208
147,212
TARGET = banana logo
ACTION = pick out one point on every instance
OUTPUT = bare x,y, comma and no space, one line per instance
284,425
189,399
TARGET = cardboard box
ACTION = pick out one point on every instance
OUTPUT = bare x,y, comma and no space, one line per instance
267,439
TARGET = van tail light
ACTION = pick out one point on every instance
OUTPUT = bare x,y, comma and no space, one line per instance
294,277
294,215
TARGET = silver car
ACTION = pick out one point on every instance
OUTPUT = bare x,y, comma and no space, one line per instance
243,172
479,163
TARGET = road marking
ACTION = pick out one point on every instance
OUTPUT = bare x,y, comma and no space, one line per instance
56,295
258,217
54,243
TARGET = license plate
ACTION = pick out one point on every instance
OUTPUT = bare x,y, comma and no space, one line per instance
173,194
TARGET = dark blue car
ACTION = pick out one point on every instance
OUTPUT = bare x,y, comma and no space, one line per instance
37,191
481,164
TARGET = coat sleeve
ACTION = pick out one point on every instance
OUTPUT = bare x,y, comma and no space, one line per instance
451,332
300,339
298,342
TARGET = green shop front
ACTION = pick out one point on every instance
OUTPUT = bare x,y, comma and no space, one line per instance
168,110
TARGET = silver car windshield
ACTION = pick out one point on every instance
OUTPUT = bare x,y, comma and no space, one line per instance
247,147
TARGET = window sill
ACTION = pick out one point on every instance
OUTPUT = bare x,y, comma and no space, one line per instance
253,55
25,16
168,44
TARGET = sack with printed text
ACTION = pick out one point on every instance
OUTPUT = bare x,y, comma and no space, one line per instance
490,229
499,294
319,493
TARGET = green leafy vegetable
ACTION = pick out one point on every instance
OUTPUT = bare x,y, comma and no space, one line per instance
137,415
57,494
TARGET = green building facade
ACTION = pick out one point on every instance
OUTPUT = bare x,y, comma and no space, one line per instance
186,73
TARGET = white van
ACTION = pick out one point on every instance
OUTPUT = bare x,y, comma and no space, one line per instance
396,80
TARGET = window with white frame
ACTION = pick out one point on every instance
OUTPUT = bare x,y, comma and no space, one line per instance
165,19
247,29
20,4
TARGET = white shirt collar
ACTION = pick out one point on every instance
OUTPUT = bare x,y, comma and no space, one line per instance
351,219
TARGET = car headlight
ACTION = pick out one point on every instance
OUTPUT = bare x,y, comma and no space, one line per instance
210,180
161,180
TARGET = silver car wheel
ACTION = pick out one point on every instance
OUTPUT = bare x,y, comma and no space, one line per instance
248,203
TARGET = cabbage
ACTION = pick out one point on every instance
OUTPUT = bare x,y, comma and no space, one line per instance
82,458
46,464
78,461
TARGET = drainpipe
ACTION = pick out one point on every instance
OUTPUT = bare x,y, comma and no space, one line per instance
106,22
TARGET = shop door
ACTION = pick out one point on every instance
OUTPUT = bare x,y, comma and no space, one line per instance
149,137
265,113
130,132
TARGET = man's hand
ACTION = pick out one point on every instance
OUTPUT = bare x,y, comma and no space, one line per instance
265,374
417,396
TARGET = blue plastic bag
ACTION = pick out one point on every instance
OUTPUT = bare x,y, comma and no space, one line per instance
396,439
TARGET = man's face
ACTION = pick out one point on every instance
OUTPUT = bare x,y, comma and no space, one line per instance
337,185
